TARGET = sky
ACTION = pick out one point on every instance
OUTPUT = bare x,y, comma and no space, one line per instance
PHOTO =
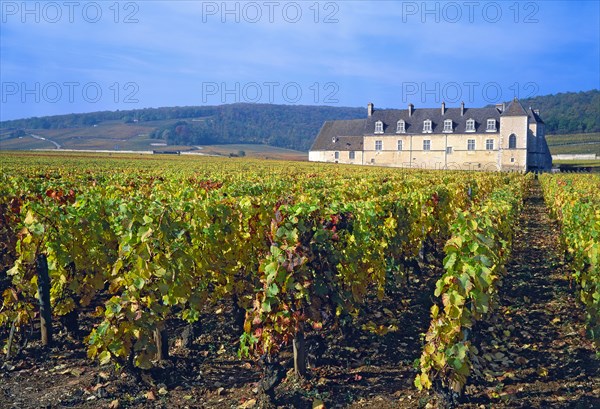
60,57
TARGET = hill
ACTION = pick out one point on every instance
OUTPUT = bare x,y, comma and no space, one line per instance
569,112
284,126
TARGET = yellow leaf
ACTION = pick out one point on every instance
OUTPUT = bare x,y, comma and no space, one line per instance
318,404
435,310
30,218
425,382
104,357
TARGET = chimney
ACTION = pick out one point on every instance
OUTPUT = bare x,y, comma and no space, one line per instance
504,106
370,108
500,107
411,109
462,108
443,108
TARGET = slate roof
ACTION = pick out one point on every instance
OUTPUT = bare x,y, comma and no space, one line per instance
514,109
347,135
533,116
414,124
343,135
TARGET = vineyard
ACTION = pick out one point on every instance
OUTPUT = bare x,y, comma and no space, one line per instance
206,282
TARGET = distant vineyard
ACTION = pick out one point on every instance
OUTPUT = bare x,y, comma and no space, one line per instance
295,248
574,144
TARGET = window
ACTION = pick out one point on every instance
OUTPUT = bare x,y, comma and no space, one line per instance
448,150
470,125
399,145
336,155
470,144
512,141
351,155
427,125
448,125
491,125
426,145
489,144
512,160
378,127
378,145
401,127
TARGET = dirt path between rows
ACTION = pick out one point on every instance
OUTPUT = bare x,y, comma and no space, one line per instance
534,351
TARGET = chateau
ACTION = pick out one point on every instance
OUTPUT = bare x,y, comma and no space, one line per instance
507,138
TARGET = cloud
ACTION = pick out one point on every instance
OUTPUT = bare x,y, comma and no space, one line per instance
170,48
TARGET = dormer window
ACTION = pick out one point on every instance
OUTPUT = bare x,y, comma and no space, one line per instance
491,125
334,139
401,127
448,125
378,127
470,125
427,125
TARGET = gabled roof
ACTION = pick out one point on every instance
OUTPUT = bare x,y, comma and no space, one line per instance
343,135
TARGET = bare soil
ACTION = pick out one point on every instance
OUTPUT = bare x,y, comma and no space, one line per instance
533,352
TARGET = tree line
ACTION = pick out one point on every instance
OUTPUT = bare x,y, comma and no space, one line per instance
569,112
287,126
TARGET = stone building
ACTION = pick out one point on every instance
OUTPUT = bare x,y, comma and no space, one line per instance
507,138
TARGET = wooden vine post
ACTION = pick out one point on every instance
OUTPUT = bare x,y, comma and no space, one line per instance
299,353
161,339
44,299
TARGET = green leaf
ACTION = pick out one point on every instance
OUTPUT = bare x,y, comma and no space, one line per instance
139,282
271,270
102,328
144,233
450,261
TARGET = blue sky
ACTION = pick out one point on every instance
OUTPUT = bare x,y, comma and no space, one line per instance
82,56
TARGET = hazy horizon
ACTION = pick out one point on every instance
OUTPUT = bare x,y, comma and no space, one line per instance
76,57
